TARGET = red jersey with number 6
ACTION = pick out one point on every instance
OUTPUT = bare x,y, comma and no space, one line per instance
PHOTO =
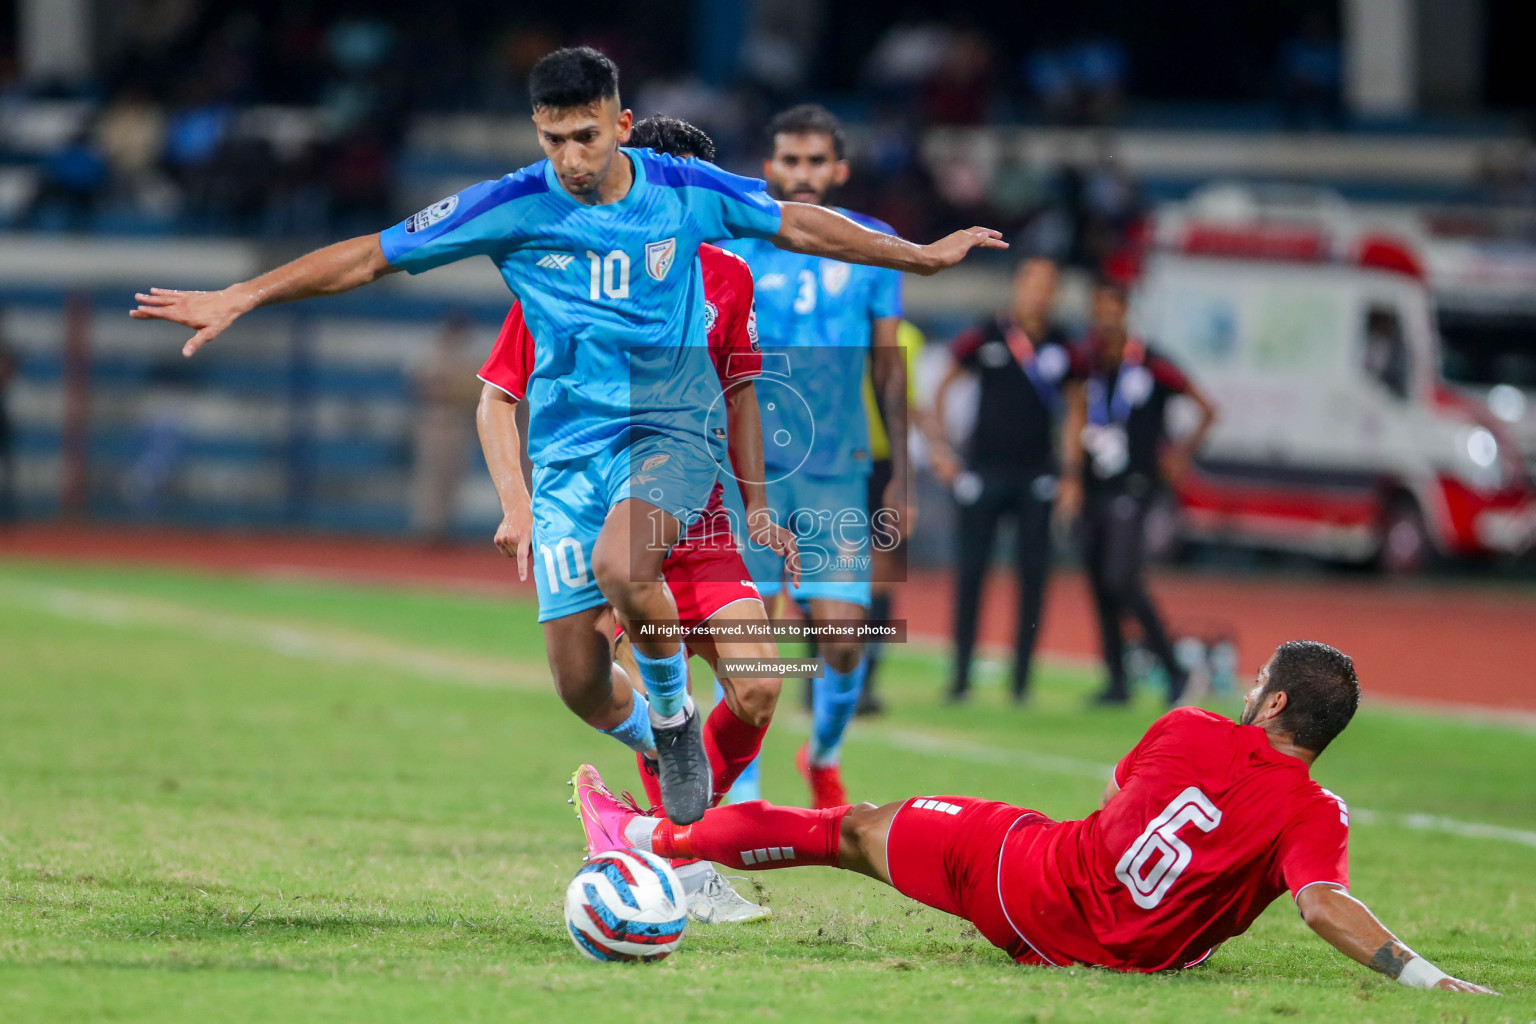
1210,825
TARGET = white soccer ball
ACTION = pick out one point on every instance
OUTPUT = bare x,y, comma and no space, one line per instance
626,905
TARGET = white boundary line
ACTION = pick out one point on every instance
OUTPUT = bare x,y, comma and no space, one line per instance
337,646
996,660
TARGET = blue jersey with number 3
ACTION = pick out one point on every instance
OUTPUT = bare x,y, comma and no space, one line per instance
816,313
613,292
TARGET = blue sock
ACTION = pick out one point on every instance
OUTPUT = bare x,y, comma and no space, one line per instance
833,699
635,731
666,680
749,784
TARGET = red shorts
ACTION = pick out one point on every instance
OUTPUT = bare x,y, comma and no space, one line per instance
705,573
944,851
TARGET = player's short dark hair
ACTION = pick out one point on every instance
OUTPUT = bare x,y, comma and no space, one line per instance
671,136
1107,282
572,78
1321,689
809,119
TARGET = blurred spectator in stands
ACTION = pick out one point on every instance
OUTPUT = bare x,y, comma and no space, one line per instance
1020,191
142,39
1007,467
195,133
1310,69
361,180
297,55
1077,83
164,415
909,53
1048,75
512,56
361,88
9,367
131,135
438,62
447,389
71,183
962,88
1110,204
775,57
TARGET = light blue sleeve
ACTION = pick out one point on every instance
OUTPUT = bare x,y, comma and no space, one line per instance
482,220
885,294
725,205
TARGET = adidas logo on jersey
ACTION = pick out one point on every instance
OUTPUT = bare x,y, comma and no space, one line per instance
935,805
768,282
556,261
761,856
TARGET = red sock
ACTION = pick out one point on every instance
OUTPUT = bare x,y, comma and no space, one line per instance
649,780
731,745
756,835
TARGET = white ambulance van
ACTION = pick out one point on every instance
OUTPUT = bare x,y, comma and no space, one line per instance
1338,435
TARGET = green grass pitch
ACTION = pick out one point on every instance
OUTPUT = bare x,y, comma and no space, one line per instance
231,799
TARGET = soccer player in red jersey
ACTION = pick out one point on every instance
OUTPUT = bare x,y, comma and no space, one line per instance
1204,823
704,570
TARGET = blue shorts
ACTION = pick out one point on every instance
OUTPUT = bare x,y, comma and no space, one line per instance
571,501
830,519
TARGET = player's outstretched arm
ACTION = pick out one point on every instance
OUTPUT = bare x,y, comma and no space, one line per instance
501,441
818,231
329,271
1349,926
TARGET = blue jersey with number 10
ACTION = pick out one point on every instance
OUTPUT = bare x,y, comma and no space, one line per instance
613,292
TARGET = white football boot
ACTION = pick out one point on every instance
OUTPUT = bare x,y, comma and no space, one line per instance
717,903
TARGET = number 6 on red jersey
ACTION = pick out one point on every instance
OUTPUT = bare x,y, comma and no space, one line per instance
1148,885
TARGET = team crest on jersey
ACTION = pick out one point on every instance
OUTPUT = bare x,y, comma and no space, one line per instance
431,215
834,276
659,257
711,316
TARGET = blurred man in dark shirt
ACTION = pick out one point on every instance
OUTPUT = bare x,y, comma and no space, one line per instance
1007,467
1118,409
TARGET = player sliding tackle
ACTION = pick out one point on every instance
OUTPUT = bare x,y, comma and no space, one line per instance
1204,823
599,242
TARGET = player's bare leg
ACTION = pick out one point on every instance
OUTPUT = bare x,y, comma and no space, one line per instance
834,700
733,733
735,730
752,699
580,661
626,561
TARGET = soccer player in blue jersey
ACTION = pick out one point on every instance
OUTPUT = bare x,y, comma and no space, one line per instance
600,244
824,318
